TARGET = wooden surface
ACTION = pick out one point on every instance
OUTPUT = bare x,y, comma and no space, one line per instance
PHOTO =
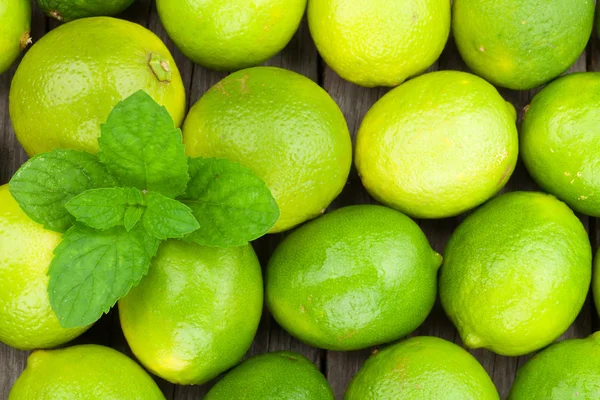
300,56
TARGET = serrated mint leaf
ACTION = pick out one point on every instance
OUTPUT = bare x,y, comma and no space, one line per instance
165,218
132,216
140,145
93,269
45,183
232,205
104,208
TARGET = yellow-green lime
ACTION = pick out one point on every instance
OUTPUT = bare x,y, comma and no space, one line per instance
379,42
422,368
516,273
230,34
282,126
437,145
196,313
86,372
281,375
354,278
27,321
521,44
15,22
68,10
560,140
568,370
70,80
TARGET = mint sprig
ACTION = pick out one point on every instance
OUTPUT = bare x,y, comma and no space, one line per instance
118,206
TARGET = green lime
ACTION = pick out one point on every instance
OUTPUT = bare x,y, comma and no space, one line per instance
437,145
282,126
354,278
560,140
68,10
71,79
196,313
27,321
521,44
15,21
87,372
422,368
516,273
568,370
379,42
280,375
230,34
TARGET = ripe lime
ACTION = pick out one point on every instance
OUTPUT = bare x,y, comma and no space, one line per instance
15,21
68,10
196,313
282,126
83,372
566,370
437,145
26,249
273,376
230,34
379,42
596,282
516,273
521,44
422,367
560,140
71,79
357,277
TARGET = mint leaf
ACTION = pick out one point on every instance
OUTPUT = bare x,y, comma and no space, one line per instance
45,183
232,205
104,208
132,216
141,147
166,218
93,269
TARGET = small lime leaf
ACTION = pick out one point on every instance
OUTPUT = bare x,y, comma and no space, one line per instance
93,269
140,145
165,218
232,205
45,183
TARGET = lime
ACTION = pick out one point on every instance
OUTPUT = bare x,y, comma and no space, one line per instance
282,126
422,368
521,44
516,273
560,140
196,313
354,278
230,34
566,370
596,282
15,21
437,145
27,321
71,79
68,10
379,42
280,375
86,372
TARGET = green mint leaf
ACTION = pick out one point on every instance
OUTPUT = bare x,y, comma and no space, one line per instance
45,183
140,145
104,208
165,218
132,216
93,269
232,205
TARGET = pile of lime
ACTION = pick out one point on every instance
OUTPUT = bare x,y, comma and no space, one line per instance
133,198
